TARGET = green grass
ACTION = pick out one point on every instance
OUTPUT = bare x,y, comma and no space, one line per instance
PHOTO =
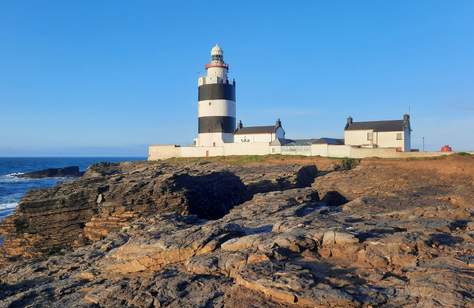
345,162
427,157
236,159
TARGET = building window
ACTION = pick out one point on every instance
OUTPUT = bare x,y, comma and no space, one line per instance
209,103
399,136
369,136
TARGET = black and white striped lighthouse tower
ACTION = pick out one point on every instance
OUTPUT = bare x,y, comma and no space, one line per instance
216,100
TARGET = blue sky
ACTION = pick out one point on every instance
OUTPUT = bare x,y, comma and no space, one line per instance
109,77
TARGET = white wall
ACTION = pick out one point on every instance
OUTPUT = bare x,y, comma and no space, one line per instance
327,150
389,140
226,150
379,139
247,149
324,150
342,151
357,137
201,151
256,138
163,151
214,139
296,150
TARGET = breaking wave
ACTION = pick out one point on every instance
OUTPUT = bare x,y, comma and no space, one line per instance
14,174
6,206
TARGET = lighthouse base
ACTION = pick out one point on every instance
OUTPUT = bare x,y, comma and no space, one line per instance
214,139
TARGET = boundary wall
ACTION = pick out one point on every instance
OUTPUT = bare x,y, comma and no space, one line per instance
156,152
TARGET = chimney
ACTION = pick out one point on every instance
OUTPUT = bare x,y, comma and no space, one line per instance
406,121
278,123
349,121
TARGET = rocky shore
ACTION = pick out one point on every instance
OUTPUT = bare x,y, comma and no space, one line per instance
274,233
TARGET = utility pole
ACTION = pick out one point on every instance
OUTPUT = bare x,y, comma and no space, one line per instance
423,147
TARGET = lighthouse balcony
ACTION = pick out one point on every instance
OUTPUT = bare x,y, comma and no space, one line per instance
214,79
217,64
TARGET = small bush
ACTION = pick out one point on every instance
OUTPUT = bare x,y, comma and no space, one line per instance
348,163
463,154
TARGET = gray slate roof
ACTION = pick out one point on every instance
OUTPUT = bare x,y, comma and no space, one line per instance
256,130
325,140
301,142
378,126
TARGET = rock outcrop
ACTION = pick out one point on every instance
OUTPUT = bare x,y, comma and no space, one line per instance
110,195
386,233
72,171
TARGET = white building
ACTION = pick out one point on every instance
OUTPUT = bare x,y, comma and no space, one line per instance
379,134
259,134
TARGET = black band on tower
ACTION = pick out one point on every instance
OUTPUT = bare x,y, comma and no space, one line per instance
216,125
216,91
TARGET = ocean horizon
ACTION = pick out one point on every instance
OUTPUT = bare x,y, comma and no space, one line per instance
13,188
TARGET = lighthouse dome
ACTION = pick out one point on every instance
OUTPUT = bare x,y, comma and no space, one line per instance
217,51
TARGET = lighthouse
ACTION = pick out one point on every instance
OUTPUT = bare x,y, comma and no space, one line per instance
216,103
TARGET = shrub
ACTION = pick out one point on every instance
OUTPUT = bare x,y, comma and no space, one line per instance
348,163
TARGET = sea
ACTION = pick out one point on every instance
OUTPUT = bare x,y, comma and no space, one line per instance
12,187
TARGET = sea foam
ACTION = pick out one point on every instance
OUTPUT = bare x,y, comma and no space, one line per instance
14,174
9,205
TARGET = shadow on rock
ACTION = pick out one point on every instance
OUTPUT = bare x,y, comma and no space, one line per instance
210,196
378,233
304,177
334,198
25,287
445,239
